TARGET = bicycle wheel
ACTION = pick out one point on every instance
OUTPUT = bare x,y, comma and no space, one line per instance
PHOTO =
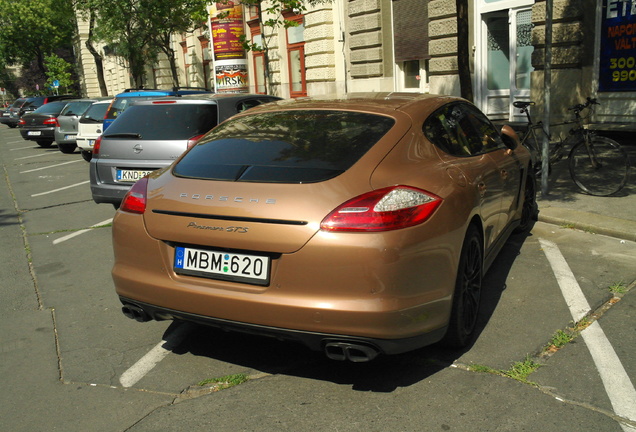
601,171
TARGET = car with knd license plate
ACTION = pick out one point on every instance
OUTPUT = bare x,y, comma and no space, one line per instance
151,134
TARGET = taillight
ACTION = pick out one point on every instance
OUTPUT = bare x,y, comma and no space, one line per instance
52,122
385,209
97,145
193,141
21,122
135,200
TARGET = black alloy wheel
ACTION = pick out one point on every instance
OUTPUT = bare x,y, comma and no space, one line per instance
529,209
467,295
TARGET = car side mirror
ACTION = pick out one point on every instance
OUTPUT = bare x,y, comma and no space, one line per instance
509,137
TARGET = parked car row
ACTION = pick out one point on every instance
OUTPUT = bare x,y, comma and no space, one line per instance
147,130
11,116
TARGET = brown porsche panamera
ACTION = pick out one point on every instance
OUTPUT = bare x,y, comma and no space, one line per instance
357,226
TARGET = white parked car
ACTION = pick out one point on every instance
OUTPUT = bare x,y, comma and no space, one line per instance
90,128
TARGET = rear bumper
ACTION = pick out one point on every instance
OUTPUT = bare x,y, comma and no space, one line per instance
358,292
313,340
105,192
65,137
83,143
46,134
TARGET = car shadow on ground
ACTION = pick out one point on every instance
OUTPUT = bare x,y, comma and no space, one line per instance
384,374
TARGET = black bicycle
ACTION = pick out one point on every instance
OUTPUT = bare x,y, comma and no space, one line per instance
598,165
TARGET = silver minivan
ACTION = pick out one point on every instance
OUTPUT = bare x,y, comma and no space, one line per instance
152,134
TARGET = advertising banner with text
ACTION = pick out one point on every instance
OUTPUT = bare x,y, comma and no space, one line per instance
617,72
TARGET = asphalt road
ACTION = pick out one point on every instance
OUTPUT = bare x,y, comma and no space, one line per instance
70,361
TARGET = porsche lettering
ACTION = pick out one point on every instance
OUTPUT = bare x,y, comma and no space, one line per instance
226,198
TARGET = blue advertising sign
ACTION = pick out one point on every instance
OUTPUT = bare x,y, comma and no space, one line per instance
617,70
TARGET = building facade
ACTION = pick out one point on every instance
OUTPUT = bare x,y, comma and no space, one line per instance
412,45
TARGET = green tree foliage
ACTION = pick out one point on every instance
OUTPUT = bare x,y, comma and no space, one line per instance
58,69
32,29
138,30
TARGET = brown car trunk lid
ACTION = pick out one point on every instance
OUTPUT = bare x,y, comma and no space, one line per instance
244,216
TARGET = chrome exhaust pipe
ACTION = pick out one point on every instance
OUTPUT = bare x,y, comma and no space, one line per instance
135,312
354,352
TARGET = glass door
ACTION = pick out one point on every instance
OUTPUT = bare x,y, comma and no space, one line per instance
507,51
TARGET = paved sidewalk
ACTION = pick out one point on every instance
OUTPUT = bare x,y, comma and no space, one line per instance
566,205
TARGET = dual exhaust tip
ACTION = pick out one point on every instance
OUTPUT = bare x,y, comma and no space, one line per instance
136,313
335,350
351,351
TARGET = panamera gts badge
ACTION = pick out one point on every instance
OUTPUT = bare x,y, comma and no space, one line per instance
236,229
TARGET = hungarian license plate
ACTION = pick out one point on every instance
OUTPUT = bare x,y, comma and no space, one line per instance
251,269
131,175
34,133
68,137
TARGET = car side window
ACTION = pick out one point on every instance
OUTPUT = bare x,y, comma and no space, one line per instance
462,130
485,135
247,104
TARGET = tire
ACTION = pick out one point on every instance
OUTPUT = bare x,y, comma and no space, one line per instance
467,294
67,148
45,144
610,173
530,209
11,125
87,155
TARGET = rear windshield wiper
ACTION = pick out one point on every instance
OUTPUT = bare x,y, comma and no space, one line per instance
124,135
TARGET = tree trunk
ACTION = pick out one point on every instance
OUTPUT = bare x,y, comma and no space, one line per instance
99,64
172,58
463,50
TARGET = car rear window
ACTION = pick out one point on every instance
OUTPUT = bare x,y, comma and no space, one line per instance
120,104
95,113
53,108
165,121
75,108
284,147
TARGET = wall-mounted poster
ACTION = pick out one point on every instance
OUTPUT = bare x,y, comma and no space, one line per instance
227,29
231,76
617,70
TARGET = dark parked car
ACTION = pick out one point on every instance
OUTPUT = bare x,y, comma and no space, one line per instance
67,124
34,102
151,134
39,125
29,104
11,116
358,226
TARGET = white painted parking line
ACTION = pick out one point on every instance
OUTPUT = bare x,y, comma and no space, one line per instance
33,156
154,356
51,166
61,189
19,148
80,232
617,383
